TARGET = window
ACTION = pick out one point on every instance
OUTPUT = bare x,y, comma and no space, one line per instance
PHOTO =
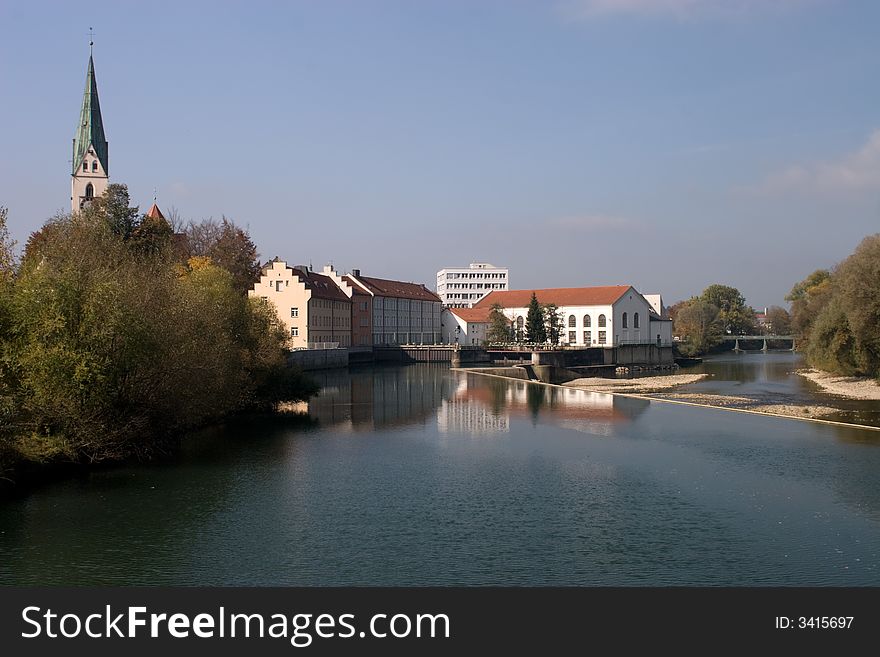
588,337
602,335
85,166
294,332
635,320
586,320
94,165
572,336
572,322
520,322
90,191
278,286
294,312
601,322
624,321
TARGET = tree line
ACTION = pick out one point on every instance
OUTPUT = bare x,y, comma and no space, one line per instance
118,334
834,316
836,313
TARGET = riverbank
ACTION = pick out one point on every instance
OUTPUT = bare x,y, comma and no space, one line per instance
733,402
641,385
851,387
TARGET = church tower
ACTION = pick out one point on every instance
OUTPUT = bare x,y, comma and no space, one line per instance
90,173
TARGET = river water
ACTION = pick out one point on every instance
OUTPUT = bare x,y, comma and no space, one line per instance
420,476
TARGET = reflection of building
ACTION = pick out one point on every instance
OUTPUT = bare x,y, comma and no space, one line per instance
465,325
91,170
591,316
366,398
462,287
581,410
466,414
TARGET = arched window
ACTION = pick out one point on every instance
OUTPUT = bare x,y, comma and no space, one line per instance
601,321
85,166
520,322
572,322
635,320
94,165
90,191
624,321
586,321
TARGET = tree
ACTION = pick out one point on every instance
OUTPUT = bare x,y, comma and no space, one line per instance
535,330
699,325
736,317
808,298
778,320
857,285
499,326
113,208
117,351
553,323
228,246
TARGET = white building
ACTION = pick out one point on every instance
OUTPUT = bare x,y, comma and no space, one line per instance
463,287
465,326
591,316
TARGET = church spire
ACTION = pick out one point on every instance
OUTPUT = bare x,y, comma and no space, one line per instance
89,177
90,131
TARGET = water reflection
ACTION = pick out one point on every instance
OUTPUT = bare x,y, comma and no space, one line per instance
480,404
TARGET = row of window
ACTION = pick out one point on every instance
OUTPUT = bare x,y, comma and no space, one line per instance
602,321
86,165
588,337
455,276
474,286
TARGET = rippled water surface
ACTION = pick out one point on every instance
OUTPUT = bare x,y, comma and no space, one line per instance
418,476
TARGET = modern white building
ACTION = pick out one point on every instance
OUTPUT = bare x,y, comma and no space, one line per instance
463,287
590,316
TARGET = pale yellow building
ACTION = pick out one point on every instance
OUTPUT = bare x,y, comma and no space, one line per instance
315,312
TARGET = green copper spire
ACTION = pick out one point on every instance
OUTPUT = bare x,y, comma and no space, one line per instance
90,131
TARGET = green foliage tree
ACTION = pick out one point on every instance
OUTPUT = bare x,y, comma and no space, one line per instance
535,329
699,325
113,208
553,323
499,330
7,371
735,316
856,287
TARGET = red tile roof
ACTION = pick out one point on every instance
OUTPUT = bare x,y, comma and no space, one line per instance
561,296
155,213
382,287
356,289
322,287
472,315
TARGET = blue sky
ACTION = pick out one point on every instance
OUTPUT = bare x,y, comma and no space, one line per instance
665,143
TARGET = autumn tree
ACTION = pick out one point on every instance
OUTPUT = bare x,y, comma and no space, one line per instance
778,320
699,325
229,246
808,298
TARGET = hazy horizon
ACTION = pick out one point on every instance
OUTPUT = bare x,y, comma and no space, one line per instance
667,144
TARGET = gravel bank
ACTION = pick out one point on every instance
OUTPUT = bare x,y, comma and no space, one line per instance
640,385
851,387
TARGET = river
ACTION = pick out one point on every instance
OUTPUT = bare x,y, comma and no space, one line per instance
417,475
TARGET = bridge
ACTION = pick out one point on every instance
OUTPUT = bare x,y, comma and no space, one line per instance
755,338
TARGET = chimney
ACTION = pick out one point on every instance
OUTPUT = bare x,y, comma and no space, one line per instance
355,272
